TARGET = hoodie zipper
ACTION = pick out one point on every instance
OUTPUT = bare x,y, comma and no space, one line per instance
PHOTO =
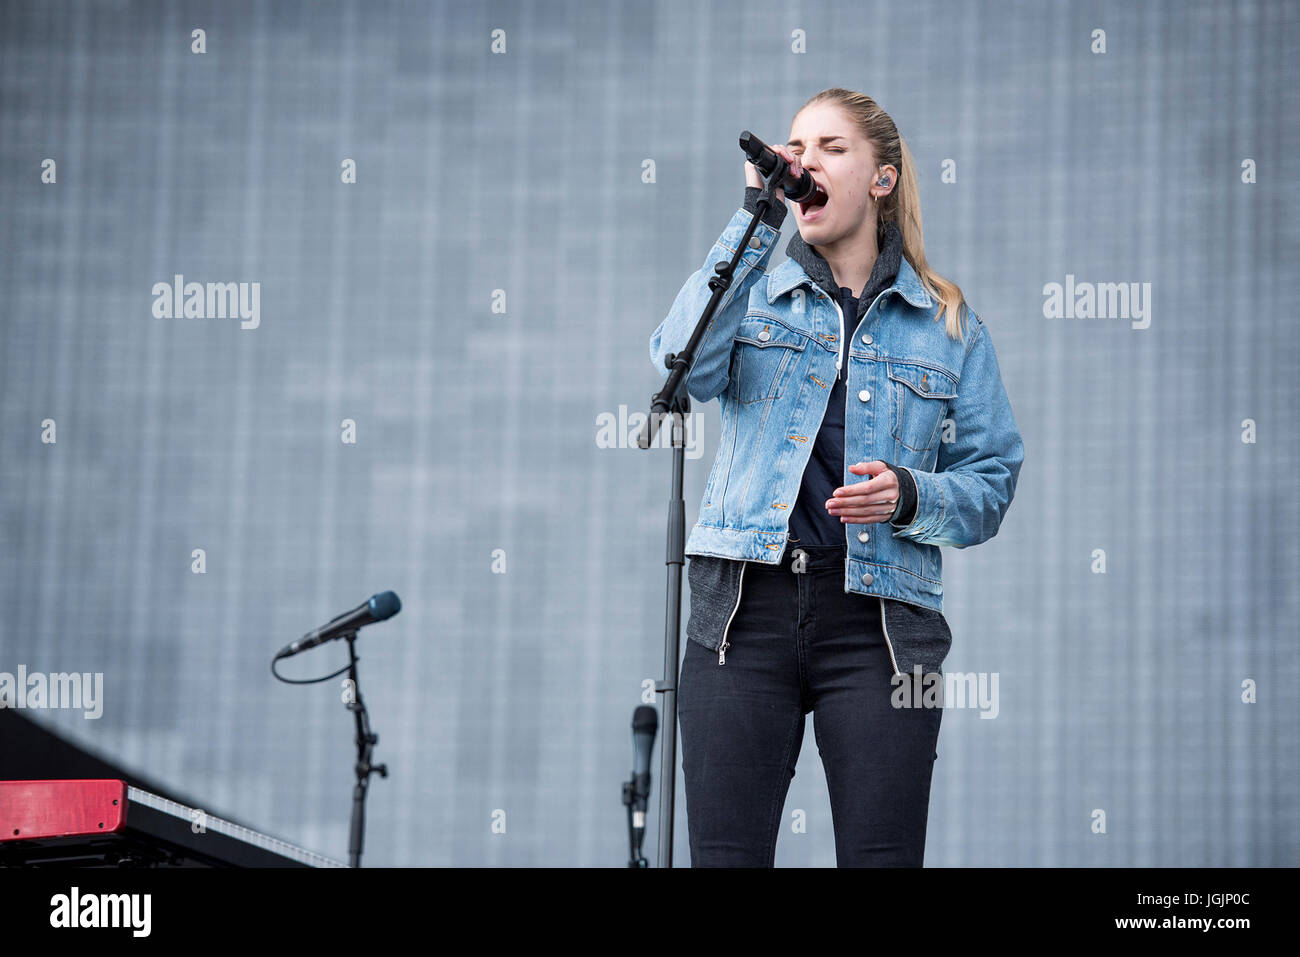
722,648
839,351
885,628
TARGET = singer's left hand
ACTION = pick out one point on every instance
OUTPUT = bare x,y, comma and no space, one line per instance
864,503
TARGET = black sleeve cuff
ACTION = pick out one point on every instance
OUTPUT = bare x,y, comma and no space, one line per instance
774,216
905,513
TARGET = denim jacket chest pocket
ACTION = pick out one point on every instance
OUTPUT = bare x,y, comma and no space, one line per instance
764,355
922,396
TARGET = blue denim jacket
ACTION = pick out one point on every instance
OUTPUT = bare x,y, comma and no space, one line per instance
916,398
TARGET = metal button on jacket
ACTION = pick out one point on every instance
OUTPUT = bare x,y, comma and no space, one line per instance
867,339
863,536
866,579
764,336
864,395
755,242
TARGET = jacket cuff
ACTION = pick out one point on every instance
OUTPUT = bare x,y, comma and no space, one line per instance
931,506
775,214
905,512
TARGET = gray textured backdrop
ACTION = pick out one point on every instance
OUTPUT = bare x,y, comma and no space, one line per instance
476,429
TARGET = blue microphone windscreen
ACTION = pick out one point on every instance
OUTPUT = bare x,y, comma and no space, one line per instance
385,605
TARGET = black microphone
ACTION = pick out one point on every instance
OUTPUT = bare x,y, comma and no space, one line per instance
384,605
645,725
798,189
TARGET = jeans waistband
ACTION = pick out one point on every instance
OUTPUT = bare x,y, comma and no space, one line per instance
806,558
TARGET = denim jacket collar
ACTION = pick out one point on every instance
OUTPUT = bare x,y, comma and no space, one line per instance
790,274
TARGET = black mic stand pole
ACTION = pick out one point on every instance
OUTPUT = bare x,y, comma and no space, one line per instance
673,399
366,741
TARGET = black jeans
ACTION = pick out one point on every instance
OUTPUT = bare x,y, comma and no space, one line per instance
800,643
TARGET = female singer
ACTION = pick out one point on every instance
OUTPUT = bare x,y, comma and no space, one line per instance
864,424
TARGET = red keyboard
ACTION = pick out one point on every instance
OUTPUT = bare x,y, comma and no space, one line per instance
108,823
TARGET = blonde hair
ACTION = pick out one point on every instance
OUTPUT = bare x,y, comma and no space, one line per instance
902,205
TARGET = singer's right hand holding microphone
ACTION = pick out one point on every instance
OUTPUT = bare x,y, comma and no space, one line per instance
755,179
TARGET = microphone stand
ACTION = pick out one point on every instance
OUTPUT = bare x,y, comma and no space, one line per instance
366,741
674,400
